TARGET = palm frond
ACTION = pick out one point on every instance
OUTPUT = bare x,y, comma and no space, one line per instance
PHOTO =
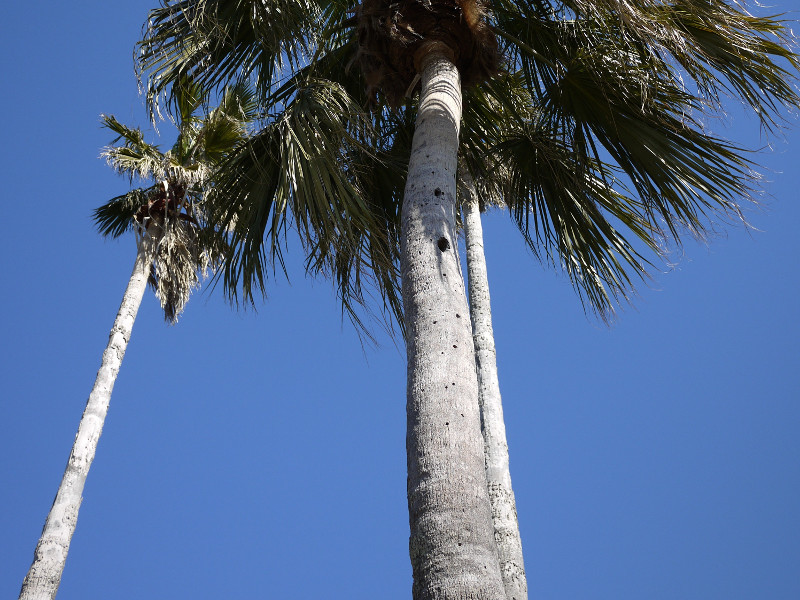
239,102
626,88
116,216
719,45
180,262
711,46
226,126
187,97
295,168
560,200
382,181
217,43
683,175
563,212
135,157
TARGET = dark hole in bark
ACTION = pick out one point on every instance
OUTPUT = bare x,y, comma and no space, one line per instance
458,316
454,346
443,244
437,192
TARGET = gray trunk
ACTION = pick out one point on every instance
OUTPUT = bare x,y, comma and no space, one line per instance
501,495
452,548
44,576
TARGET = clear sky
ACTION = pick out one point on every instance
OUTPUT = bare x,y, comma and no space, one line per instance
262,454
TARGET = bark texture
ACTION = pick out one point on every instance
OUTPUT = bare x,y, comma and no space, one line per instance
44,576
452,548
498,475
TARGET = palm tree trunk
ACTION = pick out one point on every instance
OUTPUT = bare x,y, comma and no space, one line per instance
498,476
452,546
44,576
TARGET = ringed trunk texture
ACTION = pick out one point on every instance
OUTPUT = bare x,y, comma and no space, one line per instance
452,547
44,576
498,475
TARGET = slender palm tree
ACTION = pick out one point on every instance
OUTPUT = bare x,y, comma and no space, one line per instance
627,81
173,251
495,444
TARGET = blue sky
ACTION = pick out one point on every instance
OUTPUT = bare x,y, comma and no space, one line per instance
262,453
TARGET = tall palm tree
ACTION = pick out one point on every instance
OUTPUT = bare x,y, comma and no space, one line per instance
495,444
629,81
173,251
430,192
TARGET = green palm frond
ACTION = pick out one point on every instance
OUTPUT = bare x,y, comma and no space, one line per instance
626,87
116,216
186,100
188,96
562,202
563,209
292,167
716,46
216,43
135,157
383,176
226,126
719,45
682,174
239,102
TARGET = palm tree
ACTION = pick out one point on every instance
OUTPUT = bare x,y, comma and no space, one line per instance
173,250
498,473
630,82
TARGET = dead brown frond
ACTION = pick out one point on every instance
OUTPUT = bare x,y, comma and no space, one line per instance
180,262
391,33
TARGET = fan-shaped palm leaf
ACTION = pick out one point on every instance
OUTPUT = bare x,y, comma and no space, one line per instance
292,172
216,43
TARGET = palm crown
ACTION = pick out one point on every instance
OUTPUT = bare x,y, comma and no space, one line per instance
596,123
170,211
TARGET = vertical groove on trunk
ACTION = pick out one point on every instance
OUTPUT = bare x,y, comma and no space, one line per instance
451,545
44,576
498,475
